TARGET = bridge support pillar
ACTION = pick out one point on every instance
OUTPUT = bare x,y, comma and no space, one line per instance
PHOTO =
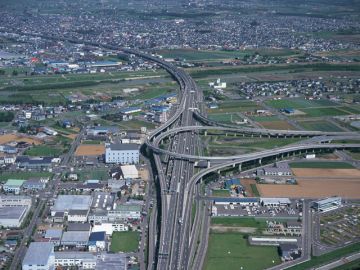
252,135
218,171
239,167
205,133
260,161
234,165
269,136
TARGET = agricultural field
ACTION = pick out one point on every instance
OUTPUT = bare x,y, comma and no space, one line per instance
291,69
340,226
321,165
318,182
55,89
320,125
299,103
280,125
325,111
232,251
6,138
124,241
90,150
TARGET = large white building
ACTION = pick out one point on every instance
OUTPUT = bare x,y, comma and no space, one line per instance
327,204
85,260
127,153
39,256
13,200
67,203
129,172
13,216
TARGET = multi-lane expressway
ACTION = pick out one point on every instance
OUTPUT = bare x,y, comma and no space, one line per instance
176,178
178,235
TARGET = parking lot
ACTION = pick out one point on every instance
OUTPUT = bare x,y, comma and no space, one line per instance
294,210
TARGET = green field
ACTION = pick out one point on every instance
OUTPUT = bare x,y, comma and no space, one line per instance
321,165
204,55
92,142
231,251
44,150
124,241
325,111
23,175
321,125
239,222
298,103
265,118
220,193
254,190
354,265
293,68
328,257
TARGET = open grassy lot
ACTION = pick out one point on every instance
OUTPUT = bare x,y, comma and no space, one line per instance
225,117
239,222
220,193
98,174
320,125
23,175
321,165
265,143
231,251
124,241
44,150
328,257
136,124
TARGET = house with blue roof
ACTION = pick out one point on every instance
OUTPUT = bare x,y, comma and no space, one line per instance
160,108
